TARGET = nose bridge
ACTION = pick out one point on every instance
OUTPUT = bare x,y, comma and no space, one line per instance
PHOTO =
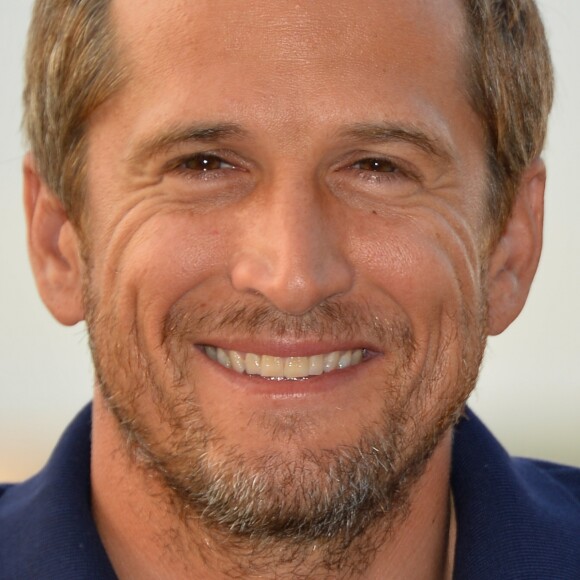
293,253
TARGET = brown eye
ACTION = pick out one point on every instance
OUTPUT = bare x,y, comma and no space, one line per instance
205,163
376,165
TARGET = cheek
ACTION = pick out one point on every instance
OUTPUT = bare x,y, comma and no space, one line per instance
429,268
431,272
163,259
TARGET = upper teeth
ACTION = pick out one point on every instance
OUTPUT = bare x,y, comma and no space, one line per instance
280,367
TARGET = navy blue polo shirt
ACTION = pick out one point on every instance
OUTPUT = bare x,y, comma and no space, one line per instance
516,519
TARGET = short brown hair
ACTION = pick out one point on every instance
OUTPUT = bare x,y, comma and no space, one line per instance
71,70
511,85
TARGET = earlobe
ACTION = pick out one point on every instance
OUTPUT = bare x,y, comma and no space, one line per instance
54,249
514,260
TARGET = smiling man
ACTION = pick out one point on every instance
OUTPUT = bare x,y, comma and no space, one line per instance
289,227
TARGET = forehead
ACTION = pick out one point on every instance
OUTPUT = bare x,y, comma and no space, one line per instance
281,44
297,27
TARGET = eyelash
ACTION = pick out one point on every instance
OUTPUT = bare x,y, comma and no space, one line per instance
375,172
205,160
372,173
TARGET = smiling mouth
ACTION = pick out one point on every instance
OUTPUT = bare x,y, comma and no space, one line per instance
284,368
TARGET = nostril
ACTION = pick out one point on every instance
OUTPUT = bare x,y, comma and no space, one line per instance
249,271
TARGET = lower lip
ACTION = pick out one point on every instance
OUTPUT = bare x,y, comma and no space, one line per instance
290,388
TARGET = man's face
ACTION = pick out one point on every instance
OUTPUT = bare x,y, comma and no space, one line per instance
280,191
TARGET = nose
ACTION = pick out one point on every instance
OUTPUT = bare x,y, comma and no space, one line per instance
292,250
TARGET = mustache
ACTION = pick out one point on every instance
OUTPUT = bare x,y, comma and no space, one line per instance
330,320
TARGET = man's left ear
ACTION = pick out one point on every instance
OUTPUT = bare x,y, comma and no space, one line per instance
514,260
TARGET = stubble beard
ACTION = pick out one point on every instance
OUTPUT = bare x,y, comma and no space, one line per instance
312,511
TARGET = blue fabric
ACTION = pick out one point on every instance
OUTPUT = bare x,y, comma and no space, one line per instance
46,527
516,519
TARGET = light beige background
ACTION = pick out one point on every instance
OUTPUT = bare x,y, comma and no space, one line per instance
529,392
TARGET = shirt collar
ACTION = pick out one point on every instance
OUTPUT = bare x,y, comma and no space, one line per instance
516,518
47,529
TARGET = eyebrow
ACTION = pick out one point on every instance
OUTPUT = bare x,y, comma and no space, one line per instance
373,132
391,132
178,135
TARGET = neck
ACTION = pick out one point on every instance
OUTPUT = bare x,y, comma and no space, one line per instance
147,538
